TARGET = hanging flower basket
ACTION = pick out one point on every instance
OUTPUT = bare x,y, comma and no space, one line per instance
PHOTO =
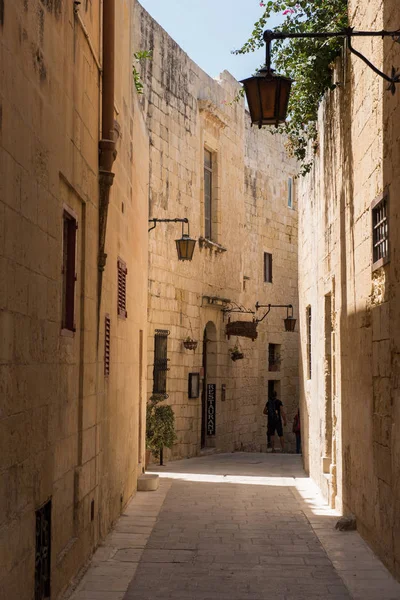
236,354
190,344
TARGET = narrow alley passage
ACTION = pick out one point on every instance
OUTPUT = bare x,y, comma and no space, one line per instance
233,527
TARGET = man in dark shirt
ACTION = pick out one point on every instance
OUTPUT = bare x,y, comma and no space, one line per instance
275,414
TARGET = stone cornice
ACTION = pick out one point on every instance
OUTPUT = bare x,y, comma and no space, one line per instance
212,113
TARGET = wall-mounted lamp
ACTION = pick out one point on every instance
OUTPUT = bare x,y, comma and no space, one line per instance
268,94
290,321
185,245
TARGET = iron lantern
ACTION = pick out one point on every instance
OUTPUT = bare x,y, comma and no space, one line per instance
290,321
185,247
268,97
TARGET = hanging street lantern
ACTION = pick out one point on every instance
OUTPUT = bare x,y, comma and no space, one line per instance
290,321
268,93
185,245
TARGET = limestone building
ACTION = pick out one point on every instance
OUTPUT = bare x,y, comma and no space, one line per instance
235,185
349,290
72,320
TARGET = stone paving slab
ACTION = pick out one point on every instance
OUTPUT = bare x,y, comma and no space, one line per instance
235,527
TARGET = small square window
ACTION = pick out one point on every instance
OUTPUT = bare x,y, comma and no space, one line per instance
267,267
274,357
380,232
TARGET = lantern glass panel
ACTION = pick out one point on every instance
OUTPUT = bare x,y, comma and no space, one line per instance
185,247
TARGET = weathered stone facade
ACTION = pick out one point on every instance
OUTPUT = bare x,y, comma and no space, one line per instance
67,433
188,114
350,404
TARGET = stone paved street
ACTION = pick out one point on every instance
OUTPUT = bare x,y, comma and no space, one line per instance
235,527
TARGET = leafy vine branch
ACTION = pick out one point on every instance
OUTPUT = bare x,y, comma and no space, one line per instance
307,61
137,80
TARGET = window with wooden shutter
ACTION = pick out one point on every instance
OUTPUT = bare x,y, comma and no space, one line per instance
160,362
107,340
70,226
267,267
122,273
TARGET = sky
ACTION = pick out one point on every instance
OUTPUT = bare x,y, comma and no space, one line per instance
208,30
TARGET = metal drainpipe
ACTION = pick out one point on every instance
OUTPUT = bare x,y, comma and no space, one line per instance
107,152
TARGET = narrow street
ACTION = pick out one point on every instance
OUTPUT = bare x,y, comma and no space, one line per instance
233,527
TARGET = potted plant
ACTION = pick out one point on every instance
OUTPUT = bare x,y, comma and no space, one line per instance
160,427
189,343
236,354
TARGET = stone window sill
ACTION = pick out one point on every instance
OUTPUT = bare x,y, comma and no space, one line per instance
205,243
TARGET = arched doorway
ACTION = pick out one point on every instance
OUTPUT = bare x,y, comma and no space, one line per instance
208,398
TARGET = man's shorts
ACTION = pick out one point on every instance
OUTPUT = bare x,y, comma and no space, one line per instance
277,426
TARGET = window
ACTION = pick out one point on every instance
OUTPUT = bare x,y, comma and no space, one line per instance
290,192
68,270
308,325
107,340
274,357
160,362
380,232
267,267
208,183
122,273
43,552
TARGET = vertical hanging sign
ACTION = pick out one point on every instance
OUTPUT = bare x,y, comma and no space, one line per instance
211,387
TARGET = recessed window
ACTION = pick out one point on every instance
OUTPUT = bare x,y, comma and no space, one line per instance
160,362
68,271
274,357
43,552
122,273
208,200
290,191
267,267
380,232
308,349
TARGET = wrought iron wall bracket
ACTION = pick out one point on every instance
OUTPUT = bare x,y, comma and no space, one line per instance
349,33
269,306
155,221
237,308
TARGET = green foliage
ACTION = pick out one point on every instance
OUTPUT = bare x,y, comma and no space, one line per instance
160,427
307,61
138,56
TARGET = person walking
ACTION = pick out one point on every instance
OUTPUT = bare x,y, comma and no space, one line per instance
297,431
275,413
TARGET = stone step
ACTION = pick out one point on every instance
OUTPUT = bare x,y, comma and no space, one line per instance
148,482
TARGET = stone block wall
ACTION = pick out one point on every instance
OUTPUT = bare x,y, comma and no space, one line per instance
350,404
66,434
186,112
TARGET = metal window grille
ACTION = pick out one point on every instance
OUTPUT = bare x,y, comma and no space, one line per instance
160,362
43,552
290,192
107,340
122,273
309,356
68,271
267,267
208,194
380,232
